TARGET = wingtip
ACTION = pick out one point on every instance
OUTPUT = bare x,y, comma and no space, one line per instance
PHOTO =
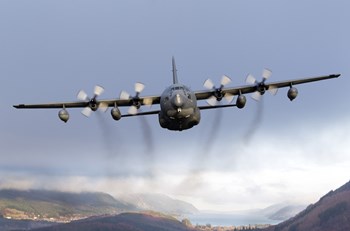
336,75
19,106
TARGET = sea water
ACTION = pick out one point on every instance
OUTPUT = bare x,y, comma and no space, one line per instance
225,219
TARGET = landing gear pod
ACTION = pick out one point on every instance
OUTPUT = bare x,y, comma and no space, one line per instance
115,112
241,101
63,115
292,93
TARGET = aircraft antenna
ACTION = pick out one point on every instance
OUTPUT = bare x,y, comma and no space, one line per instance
174,72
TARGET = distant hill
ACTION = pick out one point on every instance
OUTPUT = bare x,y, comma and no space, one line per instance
123,222
43,204
282,211
160,203
331,212
66,206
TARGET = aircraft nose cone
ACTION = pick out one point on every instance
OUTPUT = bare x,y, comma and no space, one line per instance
178,101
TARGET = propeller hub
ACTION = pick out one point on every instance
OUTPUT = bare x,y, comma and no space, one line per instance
136,102
261,87
218,94
93,104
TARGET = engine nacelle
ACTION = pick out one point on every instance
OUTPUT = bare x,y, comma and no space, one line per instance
115,112
292,93
241,101
63,115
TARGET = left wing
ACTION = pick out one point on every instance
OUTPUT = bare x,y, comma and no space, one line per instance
261,86
87,103
93,104
77,104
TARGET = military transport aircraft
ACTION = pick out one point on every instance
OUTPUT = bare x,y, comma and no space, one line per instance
178,104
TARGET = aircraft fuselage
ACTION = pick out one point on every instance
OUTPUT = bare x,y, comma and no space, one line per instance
179,109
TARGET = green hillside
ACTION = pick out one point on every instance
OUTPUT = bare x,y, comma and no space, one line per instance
331,212
42,204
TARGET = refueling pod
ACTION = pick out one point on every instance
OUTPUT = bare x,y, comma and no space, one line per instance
292,93
115,112
63,115
241,101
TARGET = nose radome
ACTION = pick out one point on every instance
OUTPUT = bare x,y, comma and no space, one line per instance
178,100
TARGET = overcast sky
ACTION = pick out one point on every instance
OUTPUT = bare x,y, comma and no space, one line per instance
234,159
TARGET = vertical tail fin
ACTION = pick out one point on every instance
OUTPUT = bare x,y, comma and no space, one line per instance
174,71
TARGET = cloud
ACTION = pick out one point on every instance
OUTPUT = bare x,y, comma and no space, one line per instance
299,166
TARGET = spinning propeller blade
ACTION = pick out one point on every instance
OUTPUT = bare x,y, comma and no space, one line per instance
124,95
229,97
266,73
212,101
148,101
218,93
132,110
225,80
256,96
98,90
273,90
139,87
136,101
208,84
250,79
260,86
86,111
93,104
82,95
103,107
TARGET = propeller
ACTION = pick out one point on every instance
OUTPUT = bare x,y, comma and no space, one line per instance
260,86
93,104
218,94
260,89
136,101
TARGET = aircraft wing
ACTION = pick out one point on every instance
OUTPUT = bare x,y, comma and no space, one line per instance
201,95
81,104
52,105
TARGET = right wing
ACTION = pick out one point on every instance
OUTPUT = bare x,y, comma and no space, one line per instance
202,95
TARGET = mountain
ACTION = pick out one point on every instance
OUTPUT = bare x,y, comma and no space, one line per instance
331,212
10,225
123,222
282,211
65,206
160,203
55,205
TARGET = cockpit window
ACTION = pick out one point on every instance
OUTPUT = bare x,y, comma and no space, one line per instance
184,89
177,88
